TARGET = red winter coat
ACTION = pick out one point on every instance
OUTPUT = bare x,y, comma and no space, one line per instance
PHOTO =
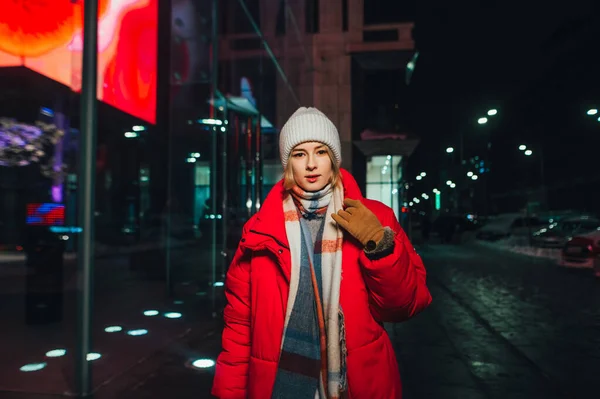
390,289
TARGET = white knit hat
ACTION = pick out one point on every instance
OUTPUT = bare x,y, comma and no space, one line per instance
308,124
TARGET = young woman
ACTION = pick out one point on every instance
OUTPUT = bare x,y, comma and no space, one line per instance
317,272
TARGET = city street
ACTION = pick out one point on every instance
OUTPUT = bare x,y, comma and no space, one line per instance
514,327
501,326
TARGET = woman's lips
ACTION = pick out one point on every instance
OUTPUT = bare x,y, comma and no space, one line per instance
312,178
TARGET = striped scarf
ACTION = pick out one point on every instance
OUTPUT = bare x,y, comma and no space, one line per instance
312,362
312,203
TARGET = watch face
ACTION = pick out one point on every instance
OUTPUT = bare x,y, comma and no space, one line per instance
371,245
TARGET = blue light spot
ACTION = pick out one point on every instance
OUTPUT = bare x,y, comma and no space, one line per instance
203,363
137,333
56,353
150,312
33,367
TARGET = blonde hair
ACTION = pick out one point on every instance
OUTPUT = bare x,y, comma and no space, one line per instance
288,174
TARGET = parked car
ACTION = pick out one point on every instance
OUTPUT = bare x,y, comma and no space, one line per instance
447,225
557,234
582,252
507,225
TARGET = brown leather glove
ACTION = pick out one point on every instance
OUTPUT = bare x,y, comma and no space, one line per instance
359,221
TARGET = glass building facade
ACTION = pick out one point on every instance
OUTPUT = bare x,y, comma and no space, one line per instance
185,149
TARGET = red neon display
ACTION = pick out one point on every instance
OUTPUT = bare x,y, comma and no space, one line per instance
46,36
46,214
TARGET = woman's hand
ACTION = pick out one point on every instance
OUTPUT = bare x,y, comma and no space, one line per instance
359,221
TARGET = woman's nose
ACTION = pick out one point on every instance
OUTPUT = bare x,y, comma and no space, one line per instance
310,162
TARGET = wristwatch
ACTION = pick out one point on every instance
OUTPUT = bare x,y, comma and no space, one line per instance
370,245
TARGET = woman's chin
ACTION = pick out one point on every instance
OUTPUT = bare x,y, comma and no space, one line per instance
311,187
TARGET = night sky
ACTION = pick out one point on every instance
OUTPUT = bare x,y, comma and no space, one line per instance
538,65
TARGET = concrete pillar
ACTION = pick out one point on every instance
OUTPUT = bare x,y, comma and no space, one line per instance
330,16
268,17
297,9
355,15
332,91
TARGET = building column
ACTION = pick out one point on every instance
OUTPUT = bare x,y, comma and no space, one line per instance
330,16
333,93
268,17
297,7
356,15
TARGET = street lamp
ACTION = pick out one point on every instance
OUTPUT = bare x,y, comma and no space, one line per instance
592,111
482,120
419,177
492,112
474,177
423,174
453,185
470,174
522,147
528,152
448,182
450,150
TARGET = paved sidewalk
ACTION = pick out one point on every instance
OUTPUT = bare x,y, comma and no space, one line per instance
449,351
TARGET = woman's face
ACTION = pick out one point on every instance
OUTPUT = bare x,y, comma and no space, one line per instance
311,166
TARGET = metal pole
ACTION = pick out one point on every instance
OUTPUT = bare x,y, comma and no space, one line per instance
213,211
258,150
258,166
224,188
214,143
249,166
462,154
543,180
87,172
168,217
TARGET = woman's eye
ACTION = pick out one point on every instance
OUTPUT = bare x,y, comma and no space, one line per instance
321,152
297,155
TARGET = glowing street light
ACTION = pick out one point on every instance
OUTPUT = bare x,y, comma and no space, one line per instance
450,150
419,177
492,112
448,182
522,147
592,111
423,174
470,174
453,185
474,177
482,121
528,152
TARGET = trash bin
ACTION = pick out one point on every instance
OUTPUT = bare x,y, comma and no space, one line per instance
44,282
